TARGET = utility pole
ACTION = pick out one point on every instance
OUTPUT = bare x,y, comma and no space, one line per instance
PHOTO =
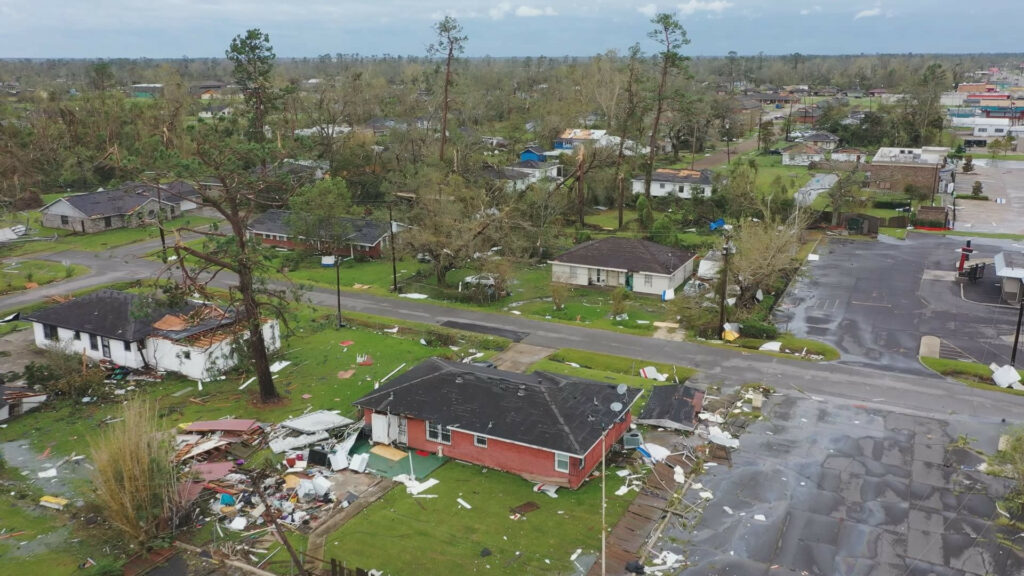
1016,336
728,152
726,249
391,239
337,286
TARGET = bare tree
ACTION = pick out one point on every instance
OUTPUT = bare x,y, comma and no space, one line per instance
671,35
450,43
629,119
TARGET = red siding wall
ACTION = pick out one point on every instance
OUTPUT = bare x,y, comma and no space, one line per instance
534,463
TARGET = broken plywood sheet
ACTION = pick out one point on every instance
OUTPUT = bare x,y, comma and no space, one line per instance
393,454
279,445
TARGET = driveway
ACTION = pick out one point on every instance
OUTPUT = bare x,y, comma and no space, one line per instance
875,300
841,489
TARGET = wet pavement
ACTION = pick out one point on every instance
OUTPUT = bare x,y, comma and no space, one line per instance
874,300
843,489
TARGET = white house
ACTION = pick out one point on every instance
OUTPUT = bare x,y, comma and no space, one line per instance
639,265
925,155
849,155
16,400
801,154
680,183
195,340
536,170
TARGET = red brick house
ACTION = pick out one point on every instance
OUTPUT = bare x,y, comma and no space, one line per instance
362,237
544,427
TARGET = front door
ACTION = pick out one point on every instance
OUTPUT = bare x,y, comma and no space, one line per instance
105,343
599,277
403,430
629,281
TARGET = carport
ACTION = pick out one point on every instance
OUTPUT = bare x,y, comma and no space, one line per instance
1010,268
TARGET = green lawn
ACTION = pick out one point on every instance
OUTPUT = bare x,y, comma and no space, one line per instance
14,275
970,373
592,307
400,534
99,241
900,233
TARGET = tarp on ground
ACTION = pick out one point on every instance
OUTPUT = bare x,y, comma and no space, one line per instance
319,421
673,406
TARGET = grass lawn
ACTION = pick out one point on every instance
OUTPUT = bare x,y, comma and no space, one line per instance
997,158
613,369
98,241
970,373
400,534
591,307
789,342
900,233
14,276
996,235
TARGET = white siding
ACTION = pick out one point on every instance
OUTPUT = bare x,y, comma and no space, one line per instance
660,189
66,342
202,363
569,274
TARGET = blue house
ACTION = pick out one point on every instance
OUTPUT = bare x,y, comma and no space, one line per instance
532,153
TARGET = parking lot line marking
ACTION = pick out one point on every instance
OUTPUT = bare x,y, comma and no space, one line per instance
870,304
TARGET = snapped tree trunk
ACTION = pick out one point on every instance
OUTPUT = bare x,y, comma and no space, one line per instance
257,343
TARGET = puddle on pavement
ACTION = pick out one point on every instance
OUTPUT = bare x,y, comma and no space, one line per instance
20,455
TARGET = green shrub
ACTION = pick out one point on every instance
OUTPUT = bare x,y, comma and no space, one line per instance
890,203
761,330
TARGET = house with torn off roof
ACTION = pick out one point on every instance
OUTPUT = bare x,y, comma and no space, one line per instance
680,183
544,427
639,265
132,330
16,400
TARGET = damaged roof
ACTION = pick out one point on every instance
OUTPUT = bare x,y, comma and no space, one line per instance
126,316
673,406
630,254
548,411
702,177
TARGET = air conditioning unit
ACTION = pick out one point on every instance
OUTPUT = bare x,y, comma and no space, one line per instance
632,439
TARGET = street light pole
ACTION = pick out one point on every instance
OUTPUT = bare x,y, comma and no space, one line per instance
391,239
725,283
337,287
604,526
1016,336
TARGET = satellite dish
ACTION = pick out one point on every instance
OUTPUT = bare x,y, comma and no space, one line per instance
616,406
621,388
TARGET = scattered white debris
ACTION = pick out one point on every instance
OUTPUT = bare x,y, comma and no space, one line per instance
706,495
727,510
1004,376
413,296
679,475
392,330
464,504
247,382
714,418
760,518
651,373
658,453
771,347
575,554
812,257
279,365
622,473
722,438
50,473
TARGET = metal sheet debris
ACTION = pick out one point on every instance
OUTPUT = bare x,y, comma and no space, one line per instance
279,445
318,421
771,347
464,504
279,365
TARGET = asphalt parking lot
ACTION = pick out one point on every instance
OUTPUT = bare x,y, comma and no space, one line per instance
835,490
874,300
1002,180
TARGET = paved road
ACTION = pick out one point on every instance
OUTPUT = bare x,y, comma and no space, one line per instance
872,384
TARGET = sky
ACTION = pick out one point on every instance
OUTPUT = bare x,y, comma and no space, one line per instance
297,28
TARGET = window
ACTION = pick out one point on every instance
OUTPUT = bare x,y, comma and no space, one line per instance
106,222
94,344
49,332
105,344
127,346
561,462
78,335
480,441
186,355
572,273
439,433
661,185
64,221
648,280
982,129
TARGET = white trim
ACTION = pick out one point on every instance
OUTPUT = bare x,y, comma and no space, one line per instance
568,462
588,266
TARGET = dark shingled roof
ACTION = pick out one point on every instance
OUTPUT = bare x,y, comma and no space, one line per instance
672,406
627,254
533,165
365,232
127,198
121,315
548,411
821,137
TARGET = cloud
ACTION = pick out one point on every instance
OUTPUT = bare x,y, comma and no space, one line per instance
500,11
812,9
648,10
694,6
530,11
876,11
